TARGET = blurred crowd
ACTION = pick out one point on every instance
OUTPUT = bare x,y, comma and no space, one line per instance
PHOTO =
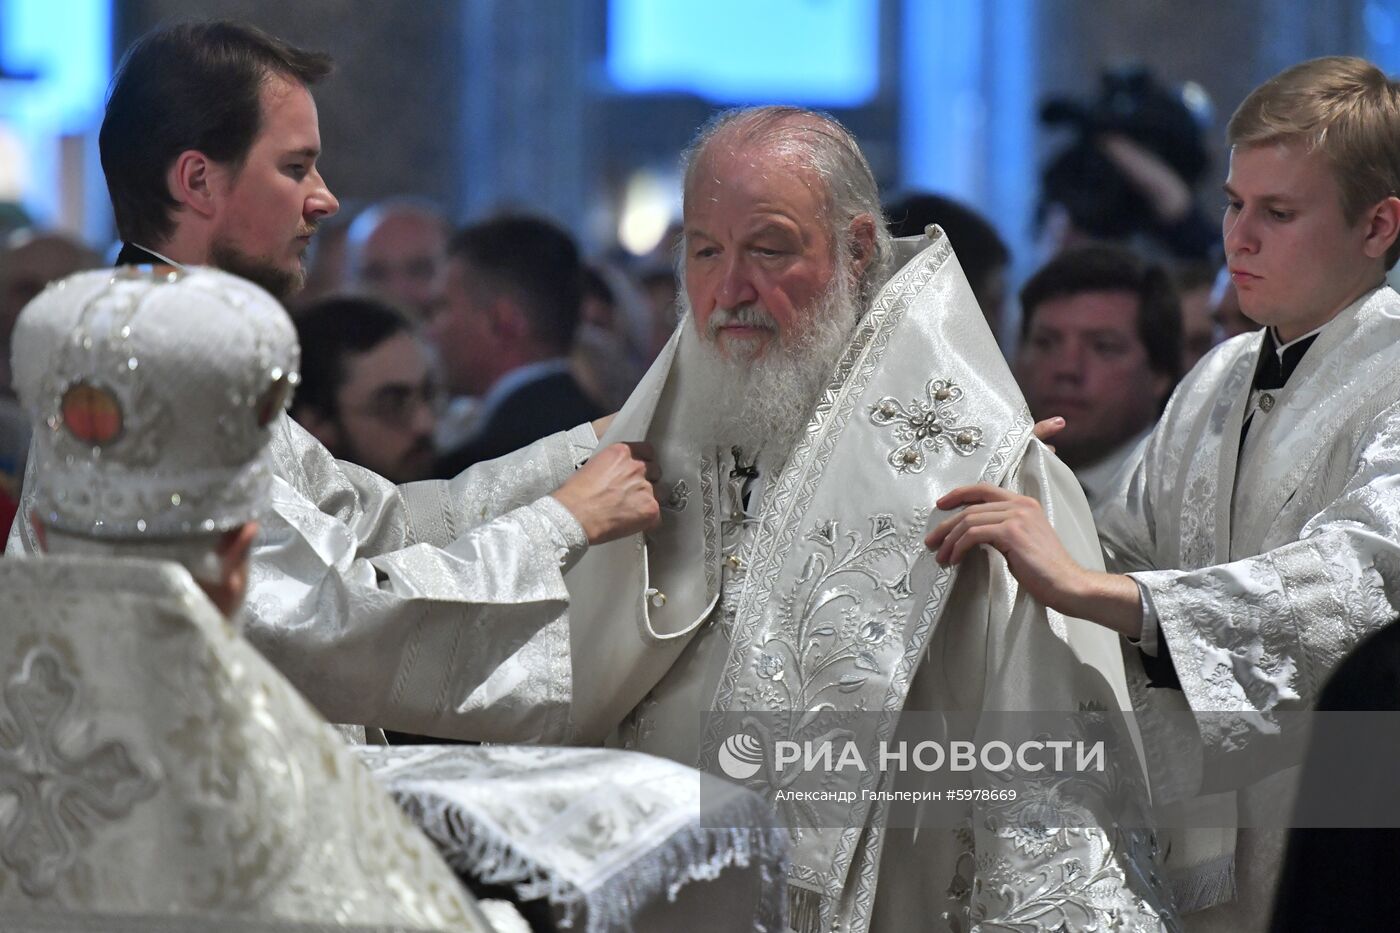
430,346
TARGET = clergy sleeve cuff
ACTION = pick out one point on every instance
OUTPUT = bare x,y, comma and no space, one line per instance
1147,641
583,443
566,534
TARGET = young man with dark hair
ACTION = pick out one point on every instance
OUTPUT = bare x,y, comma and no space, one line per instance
1256,538
209,145
367,390
361,590
1097,323
514,291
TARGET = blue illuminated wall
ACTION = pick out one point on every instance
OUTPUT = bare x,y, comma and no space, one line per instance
818,52
1381,22
970,82
66,44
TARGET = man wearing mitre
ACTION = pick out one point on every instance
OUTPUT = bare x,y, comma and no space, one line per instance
166,776
805,418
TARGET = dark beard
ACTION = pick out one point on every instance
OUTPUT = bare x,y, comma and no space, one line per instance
280,283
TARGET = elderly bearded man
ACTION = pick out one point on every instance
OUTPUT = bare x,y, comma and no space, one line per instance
787,576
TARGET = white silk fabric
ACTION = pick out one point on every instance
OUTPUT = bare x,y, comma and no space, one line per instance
1264,565
863,476
156,772
425,608
611,839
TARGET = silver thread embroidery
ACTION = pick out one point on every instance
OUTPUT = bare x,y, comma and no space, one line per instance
926,425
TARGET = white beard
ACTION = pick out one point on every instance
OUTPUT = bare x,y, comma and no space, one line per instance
761,404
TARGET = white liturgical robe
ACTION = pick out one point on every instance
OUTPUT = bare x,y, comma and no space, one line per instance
422,607
473,609
157,774
1261,566
817,595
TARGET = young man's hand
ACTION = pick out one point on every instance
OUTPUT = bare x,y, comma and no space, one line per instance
613,495
1016,526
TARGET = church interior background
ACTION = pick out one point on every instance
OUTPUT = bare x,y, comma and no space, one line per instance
578,108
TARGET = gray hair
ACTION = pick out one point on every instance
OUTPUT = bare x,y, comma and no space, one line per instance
817,141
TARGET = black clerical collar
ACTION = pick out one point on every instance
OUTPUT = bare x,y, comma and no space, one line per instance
1276,364
133,255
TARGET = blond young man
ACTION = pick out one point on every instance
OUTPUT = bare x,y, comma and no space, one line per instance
1257,539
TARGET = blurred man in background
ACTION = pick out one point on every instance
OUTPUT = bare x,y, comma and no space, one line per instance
514,290
397,249
1101,347
368,390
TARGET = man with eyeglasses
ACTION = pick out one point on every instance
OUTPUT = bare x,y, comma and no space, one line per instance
368,391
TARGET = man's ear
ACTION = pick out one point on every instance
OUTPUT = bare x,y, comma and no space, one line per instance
233,551
196,182
862,233
1383,227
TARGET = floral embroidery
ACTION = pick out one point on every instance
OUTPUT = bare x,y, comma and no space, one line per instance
835,630
770,667
1058,895
1069,874
827,609
927,425
707,507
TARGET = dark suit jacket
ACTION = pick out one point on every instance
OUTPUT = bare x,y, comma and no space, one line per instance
534,410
